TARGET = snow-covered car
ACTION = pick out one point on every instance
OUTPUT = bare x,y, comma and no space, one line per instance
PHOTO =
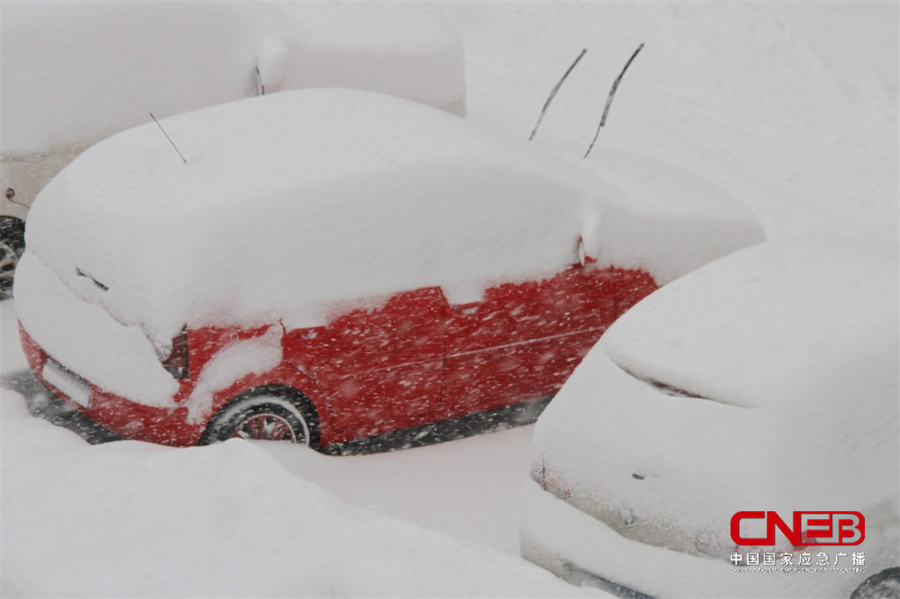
76,72
330,265
759,387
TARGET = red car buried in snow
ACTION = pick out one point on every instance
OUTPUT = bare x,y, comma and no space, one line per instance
333,265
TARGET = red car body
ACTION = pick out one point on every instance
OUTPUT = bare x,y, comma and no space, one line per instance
332,265
413,361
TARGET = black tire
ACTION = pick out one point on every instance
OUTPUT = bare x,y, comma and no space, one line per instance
12,245
271,413
884,585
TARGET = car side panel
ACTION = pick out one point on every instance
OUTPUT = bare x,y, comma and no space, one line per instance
410,362
380,369
524,339
631,287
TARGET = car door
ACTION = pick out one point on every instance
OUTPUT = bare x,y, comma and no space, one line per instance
523,339
380,369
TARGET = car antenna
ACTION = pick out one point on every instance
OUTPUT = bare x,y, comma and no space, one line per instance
11,194
553,94
169,138
260,87
609,99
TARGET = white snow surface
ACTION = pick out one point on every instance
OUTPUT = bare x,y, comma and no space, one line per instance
791,107
792,346
791,309
81,336
75,72
405,49
669,223
596,548
353,196
133,519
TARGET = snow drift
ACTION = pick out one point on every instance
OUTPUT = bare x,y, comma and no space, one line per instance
133,519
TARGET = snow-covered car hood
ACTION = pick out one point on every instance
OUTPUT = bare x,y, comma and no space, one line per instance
762,327
790,351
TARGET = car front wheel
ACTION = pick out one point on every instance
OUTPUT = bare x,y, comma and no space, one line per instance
883,585
261,416
12,244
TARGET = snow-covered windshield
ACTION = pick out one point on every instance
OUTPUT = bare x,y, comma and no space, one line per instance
757,328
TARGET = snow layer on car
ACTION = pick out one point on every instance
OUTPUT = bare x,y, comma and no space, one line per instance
578,548
792,309
83,337
139,520
680,216
76,72
792,349
292,205
403,49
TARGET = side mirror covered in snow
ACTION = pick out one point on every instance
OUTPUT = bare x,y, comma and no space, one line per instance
177,362
589,242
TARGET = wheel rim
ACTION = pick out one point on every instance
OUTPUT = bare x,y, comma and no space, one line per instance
8,261
266,427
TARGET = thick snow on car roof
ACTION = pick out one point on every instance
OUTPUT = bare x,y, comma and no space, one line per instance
75,72
263,146
316,197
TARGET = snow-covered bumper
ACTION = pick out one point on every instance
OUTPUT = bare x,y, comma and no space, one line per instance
104,369
583,550
166,426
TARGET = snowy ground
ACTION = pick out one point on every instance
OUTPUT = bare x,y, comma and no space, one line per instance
792,108
257,519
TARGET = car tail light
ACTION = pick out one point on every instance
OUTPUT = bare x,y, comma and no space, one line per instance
178,362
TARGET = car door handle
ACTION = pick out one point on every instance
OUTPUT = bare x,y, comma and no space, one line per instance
467,308
310,334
